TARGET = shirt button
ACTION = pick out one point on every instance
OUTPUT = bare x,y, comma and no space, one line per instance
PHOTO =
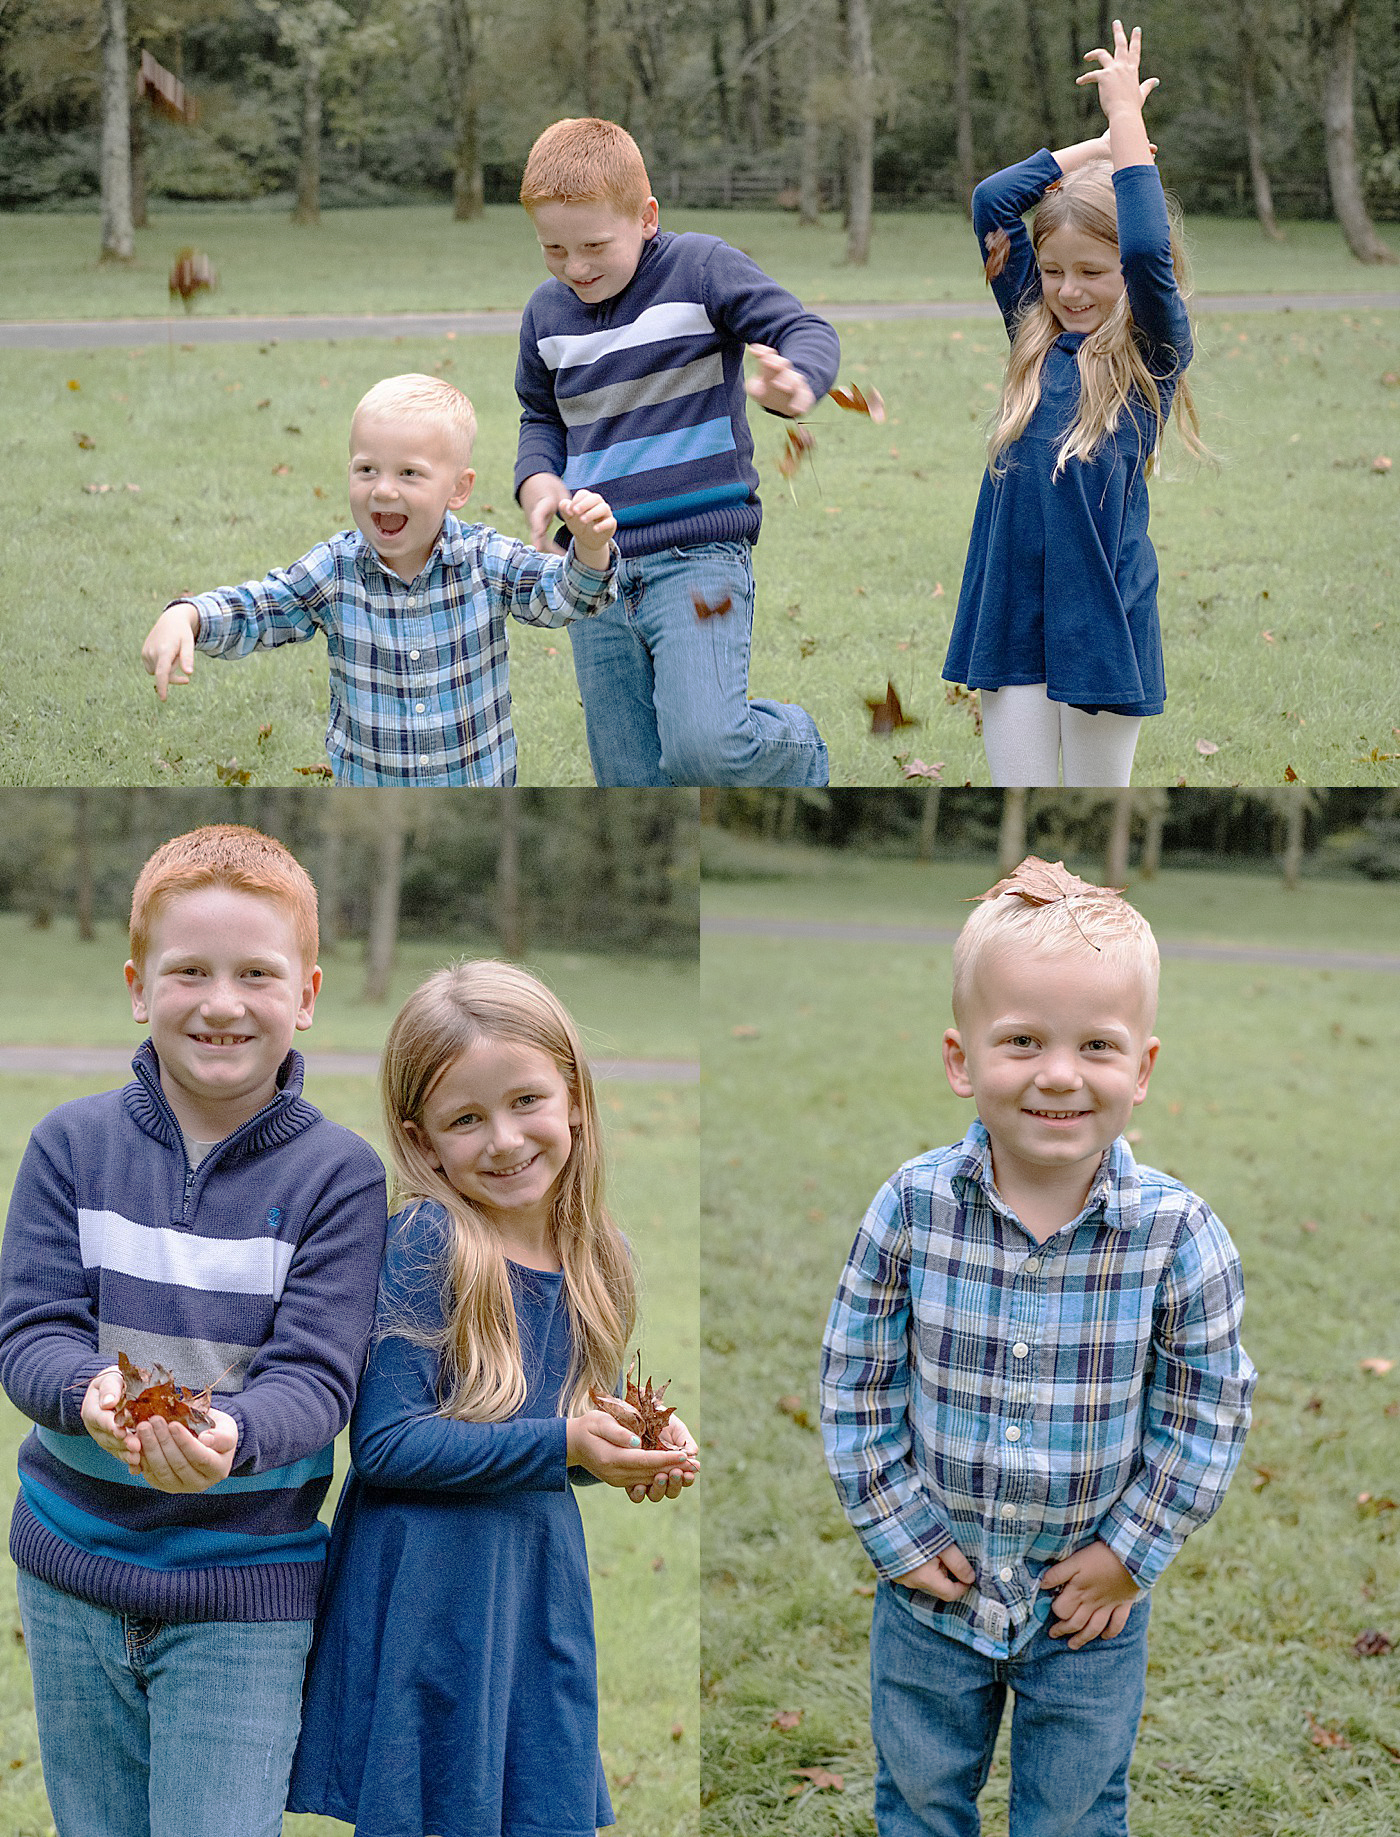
414,655
1013,1434
1020,1349
418,707
422,758
1032,1265
1006,1574
1008,1511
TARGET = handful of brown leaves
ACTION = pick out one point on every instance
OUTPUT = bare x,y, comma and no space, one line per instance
645,1403
155,1393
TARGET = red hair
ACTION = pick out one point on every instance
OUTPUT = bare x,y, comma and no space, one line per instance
586,161
224,855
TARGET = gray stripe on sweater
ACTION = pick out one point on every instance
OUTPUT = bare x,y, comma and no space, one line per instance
642,391
193,1362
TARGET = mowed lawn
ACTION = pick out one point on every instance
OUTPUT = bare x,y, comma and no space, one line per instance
1271,1099
1279,570
643,1559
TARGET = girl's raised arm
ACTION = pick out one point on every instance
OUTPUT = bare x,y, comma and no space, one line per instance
1121,96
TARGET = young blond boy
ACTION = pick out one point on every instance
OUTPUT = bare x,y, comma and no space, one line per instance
1033,1386
413,601
631,378
207,1218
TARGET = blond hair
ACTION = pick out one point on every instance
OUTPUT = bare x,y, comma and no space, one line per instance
418,397
482,1374
224,855
586,161
1112,370
1097,923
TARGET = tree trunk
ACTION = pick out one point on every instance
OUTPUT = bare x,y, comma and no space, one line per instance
1150,864
962,98
1295,815
510,923
861,175
308,205
1039,63
590,58
928,823
722,105
392,825
332,873
1011,842
118,237
463,46
809,202
1338,36
82,864
750,91
1253,128
138,163
772,83
1120,831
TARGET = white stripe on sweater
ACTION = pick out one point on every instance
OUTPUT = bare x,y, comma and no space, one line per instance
237,1266
677,319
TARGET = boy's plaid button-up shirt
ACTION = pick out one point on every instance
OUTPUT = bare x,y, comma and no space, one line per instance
420,684
1021,1400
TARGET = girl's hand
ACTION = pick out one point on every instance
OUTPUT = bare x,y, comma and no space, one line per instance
1120,90
100,1398
614,1455
670,1485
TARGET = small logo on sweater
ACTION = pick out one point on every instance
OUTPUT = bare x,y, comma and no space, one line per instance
274,1217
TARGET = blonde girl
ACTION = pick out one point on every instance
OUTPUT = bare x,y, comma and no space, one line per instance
1057,619
453,1683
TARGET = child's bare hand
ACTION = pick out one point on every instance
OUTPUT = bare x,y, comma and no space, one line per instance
592,525
540,497
947,1575
1096,1595
1116,78
683,1470
778,385
174,1461
615,1455
100,1398
168,652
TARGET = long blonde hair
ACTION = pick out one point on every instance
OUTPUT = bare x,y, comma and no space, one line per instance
482,1374
1111,366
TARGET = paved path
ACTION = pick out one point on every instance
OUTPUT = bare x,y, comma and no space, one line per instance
1281,956
88,334
99,1061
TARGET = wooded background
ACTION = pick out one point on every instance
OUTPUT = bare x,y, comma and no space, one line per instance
1266,105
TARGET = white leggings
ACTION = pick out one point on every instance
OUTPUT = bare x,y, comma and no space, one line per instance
1025,734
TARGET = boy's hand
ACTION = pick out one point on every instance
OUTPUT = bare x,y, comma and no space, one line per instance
778,386
174,1461
540,498
947,1575
1096,1595
669,1486
592,525
168,652
614,1455
100,1398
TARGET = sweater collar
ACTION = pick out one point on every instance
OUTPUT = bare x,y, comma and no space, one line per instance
284,1116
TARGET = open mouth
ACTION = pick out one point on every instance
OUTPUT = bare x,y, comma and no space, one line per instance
389,526
223,1039
509,1173
1058,1116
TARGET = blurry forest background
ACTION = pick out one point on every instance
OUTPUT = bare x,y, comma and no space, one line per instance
1267,105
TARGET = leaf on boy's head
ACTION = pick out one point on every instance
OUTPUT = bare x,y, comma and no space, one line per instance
886,715
998,246
1041,883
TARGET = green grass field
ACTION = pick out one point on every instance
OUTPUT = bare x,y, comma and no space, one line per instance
418,259
643,1559
1271,1099
1279,572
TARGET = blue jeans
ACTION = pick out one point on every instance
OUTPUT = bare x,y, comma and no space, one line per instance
936,1706
665,692
156,1729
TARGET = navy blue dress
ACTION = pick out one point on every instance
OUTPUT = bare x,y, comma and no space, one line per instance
1060,585
452,1687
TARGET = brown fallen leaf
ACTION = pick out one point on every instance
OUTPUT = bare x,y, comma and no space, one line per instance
623,1780
264,733
1379,1366
280,471
1041,883
1380,463
1262,1477
677,1730
886,715
1206,748
1290,777
787,1719
641,1410
1372,1643
744,1032
155,1393
864,1588
86,442
920,768
1322,1737
314,771
998,247
793,1406
232,773
821,1779
938,589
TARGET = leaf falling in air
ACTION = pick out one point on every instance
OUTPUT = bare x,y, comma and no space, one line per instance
645,1404
193,273
858,401
799,444
886,715
155,1393
998,246
704,610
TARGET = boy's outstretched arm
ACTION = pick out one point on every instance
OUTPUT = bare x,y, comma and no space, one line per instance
168,652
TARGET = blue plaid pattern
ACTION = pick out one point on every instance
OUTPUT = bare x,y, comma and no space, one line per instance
1021,1400
420,672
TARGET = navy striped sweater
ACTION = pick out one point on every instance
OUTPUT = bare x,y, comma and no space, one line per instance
641,397
264,1259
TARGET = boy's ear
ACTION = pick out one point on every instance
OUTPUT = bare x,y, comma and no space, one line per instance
651,219
310,989
955,1063
140,1013
463,489
1148,1060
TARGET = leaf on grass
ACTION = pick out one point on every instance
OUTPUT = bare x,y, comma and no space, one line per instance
1290,777
806,645
864,1588
94,490
859,401
266,402
793,1406
658,1563
232,773
938,589
264,733
1372,1643
998,246
1206,747
86,442
886,715
1322,1737
1380,463
704,610
280,471
1371,1507
155,1393
920,768
1267,636
641,1405
677,1730
786,1719
1379,1366
743,1032
623,1780
821,1779
1262,1477
313,771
